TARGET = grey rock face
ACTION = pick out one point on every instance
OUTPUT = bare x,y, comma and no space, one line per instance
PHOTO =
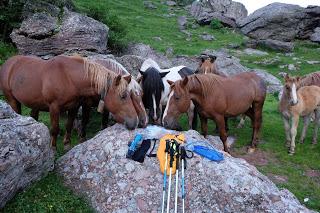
273,83
99,171
132,63
279,21
149,5
25,153
145,51
182,22
42,34
226,11
315,37
281,46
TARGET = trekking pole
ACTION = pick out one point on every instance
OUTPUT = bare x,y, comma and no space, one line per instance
165,174
170,173
183,165
177,176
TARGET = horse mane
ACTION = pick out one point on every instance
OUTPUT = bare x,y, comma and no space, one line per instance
149,63
112,65
310,79
101,76
153,84
208,82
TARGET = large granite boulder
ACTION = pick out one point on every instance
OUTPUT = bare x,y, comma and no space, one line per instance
132,63
280,21
226,11
315,37
44,34
99,171
25,153
145,51
276,45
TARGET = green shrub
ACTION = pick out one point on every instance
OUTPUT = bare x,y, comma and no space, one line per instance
6,51
117,40
216,24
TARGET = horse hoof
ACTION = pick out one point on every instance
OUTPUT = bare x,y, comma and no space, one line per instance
251,150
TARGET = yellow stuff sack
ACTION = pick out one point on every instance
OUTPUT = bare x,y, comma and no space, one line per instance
161,154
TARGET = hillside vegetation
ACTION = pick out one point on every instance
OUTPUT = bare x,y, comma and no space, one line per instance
130,21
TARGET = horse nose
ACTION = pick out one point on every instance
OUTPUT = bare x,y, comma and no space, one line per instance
131,123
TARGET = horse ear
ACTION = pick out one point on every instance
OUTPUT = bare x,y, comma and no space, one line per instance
141,72
202,59
127,78
212,58
286,77
139,79
170,82
185,81
162,74
117,80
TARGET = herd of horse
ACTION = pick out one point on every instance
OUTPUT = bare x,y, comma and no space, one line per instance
157,96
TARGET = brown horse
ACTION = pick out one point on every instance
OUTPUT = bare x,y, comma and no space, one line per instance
61,84
136,94
299,102
217,98
207,65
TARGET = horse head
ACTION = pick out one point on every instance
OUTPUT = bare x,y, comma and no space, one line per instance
117,100
178,103
290,89
136,94
207,65
153,88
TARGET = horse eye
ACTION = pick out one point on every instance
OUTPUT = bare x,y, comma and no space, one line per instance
287,87
123,96
177,97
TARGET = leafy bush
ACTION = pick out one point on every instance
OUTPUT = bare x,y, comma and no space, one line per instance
117,40
10,17
216,24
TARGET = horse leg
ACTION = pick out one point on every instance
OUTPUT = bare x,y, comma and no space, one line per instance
191,115
316,126
241,122
35,114
306,121
54,118
293,131
84,122
195,118
286,123
257,121
13,102
105,119
220,121
72,113
204,125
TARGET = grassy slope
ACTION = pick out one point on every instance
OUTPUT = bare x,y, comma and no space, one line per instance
143,25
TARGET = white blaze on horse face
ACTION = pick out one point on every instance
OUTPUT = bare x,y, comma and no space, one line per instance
294,94
167,106
154,107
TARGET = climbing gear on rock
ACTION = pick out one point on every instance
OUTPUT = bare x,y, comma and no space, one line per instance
207,151
165,175
183,156
138,148
133,145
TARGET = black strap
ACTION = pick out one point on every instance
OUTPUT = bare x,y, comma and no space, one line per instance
151,154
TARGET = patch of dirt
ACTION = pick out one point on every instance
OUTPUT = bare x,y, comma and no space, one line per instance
277,179
312,173
257,158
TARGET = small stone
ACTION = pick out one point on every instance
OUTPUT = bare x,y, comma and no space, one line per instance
291,67
130,167
157,38
182,21
149,5
313,62
251,51
207,37
171,3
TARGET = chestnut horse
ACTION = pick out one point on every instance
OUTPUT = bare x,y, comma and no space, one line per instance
136,94
295,103
61,84
207,65
217,97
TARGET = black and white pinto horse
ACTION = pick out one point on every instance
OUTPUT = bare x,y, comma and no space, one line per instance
156,89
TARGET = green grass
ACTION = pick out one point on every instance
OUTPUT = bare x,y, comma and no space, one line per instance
142,25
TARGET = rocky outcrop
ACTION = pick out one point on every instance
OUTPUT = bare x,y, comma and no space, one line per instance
145,51
99,171
44,34
281,46
315,37
273,83
132,63
279,21
226,11
25,153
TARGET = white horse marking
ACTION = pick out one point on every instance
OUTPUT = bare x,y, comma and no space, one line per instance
294,94
154,107
167,106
